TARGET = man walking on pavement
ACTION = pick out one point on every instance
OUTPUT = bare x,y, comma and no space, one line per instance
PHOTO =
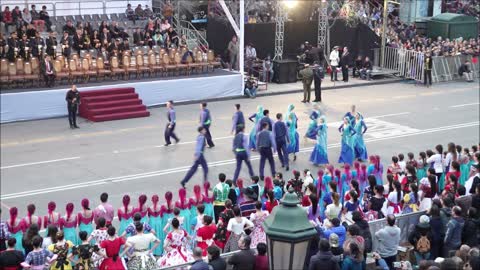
242,153
238,119
281,140
265,144
205,122
266,119
172,121
199,159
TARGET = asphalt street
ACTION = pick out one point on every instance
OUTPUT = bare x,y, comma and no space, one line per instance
45,160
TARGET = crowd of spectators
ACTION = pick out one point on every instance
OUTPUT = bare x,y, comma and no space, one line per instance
339,203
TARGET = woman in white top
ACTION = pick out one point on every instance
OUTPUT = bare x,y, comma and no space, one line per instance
142,255
257,218
333,210
437,160
394,199
452,155
50,238
236,226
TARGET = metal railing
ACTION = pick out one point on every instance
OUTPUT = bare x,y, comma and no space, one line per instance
194,37
78,7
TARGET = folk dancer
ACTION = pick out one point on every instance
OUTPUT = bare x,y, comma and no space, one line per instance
265,144
198,157
281,140
172,122
242,152
205,122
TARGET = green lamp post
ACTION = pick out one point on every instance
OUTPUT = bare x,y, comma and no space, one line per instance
289,234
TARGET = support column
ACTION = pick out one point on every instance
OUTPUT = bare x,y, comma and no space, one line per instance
241,62
279,31
322,25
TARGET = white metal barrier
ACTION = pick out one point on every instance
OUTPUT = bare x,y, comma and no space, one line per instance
408,63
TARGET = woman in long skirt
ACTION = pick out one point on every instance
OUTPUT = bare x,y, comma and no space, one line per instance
359,144
85,217
166,211
175,247
313,126
15,226
69,225
255,118
319,155
125,214
421,166
347,153
155,221
291,120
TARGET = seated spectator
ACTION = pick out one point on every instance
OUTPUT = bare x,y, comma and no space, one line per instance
465,71
267,69
366,70
130,13
46,18
17,17
261,260
250,87
324,259
7,18
388,241
36,17
147,12
138,37
139,12
164,26
26,16
69,28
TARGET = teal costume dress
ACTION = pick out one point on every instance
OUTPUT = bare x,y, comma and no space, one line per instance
165,215
85,224
464,170
347,153
17,233
186,213
70,230
144,217
155,221
319,154
359,144
124,219
255,118
313,126
291,121
421,170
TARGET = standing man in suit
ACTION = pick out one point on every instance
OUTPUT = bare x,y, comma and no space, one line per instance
198,158
281,140
238,119
265,144
242,153
48,71
205,122
345,61
317,80
172,121
73,99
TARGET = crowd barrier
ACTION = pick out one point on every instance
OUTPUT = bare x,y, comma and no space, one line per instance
409,64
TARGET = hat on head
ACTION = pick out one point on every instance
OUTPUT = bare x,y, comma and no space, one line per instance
424,221
333,240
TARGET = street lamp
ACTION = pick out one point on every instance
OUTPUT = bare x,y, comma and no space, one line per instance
289,234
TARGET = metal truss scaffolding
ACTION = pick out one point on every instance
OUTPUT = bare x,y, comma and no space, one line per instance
279,31
322,25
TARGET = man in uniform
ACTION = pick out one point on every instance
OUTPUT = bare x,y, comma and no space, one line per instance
265,144
172,121
205,122
307,78
73,99
238,119
199,159
242,153
281,140
317,80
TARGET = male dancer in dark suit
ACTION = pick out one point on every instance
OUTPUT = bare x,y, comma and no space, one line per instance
172,121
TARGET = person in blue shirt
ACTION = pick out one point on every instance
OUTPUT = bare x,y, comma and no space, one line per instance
281,140
265,144
205,122
238,119
198,158
172,121
266,119
351,115
242,152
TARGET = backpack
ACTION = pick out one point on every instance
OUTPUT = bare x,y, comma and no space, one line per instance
423,244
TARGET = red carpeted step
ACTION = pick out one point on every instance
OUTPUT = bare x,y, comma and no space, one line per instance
118,116
111,97
114,103
119,109
109,91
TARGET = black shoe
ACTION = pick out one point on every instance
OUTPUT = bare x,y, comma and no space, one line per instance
167,144
283,166
294,157
288,168
178,140
211,146
182,184
72,127
75,126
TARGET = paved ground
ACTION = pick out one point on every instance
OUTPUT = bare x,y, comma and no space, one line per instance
45,160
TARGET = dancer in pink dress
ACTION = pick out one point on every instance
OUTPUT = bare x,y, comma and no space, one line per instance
175,247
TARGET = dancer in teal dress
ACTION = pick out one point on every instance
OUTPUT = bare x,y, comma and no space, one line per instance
142,208
359,144
319,155
313,126
291,120
346,178
185,208
208,200
465,164
69,225
166,212
347,153
15,228
155,221
125,214
52,217
85,217
255,118
421,166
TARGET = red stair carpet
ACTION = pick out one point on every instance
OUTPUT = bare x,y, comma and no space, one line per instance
111,104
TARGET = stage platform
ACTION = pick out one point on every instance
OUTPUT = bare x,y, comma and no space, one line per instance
31,104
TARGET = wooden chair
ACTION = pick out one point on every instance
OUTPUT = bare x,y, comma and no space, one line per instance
153,66
115,67
75,74
192,65
180,66
141,66
87,70
171,54
101,71
20,66
200,61
35,65
13,77
64,65
168,65
60,72
29,75
3,71
212,62
128,66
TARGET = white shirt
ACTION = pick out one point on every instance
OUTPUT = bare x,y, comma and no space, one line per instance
333,211
468,184
403,165
448,159
236,227
437,162
334,58
141,242
251,53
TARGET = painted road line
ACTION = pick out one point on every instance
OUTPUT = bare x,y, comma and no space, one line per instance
39,162
464,105
134,177
388,115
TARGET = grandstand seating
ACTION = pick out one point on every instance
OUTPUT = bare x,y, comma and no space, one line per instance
111,104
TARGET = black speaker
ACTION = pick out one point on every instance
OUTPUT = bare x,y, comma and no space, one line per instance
285,71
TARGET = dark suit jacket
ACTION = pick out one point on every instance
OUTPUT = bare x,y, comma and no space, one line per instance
243,260
465,202
43,67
